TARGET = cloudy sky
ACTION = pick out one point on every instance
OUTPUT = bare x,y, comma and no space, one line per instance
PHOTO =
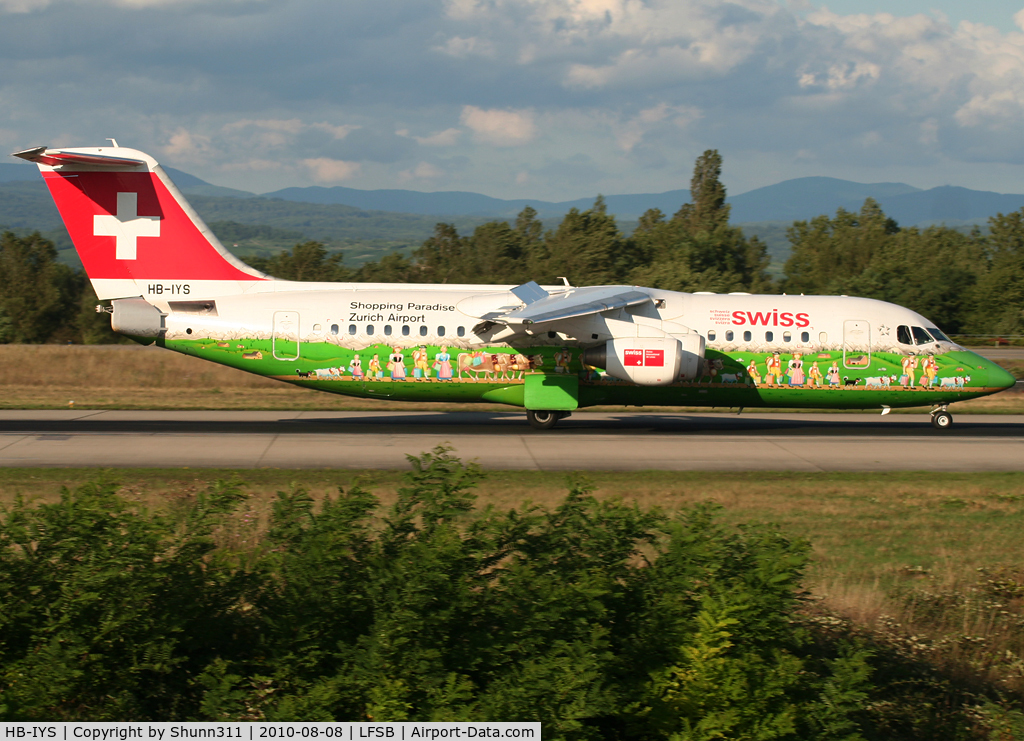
551,99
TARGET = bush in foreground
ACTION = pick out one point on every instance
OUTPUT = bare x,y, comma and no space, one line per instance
597,618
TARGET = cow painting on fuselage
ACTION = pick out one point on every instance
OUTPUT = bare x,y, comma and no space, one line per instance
549,349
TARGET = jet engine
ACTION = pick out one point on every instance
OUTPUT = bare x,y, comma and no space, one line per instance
649,361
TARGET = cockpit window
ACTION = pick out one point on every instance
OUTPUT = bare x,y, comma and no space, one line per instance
937,334
921,337
903,335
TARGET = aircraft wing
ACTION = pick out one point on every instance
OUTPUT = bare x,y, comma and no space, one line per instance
571,304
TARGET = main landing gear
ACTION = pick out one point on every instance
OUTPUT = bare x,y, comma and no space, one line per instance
941,419
543,419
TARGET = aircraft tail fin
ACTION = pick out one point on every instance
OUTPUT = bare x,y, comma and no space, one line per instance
133,229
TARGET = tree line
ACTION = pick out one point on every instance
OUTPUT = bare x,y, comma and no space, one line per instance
969,283
598,618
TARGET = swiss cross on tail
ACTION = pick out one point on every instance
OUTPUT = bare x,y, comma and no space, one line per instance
133,230
127,226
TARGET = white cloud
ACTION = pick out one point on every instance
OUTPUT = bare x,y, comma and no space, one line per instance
338,132
28,6
446,138
629,133
22,6
326,170
186,146
460,47
503,128
422,171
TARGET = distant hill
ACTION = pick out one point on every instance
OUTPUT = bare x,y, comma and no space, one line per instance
25,205
367,224
11,172
805,198
788,201
191,185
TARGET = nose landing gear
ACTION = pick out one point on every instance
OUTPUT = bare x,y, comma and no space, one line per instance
543,419
941,419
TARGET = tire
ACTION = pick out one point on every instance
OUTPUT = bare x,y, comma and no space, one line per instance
542,419
942,420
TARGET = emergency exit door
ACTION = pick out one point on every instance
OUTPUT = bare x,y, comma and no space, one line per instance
856,344
286,335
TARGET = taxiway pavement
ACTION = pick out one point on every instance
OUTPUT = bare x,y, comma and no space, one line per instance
585,441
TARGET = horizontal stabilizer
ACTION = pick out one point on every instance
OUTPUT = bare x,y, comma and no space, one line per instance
55,157
576,303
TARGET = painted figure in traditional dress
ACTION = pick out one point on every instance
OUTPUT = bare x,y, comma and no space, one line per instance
796,370
421,369
396,364
773,369
443,364
752,371
815,375
833,374
356,367
931,370
562,360
374,368
910,363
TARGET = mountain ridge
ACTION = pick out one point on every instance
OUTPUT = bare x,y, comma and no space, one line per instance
791,200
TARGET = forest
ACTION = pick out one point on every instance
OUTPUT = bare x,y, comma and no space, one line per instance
966,283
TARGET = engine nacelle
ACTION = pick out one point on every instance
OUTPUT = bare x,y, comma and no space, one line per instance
649,361
691,364
646,361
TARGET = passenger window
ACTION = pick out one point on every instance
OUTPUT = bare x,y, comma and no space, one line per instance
334,329
405,330
728,336
747,336
805,336
711,336
461,331
317,328
787,337
387,329
440,331
369,329
352,329
922,337
822,337
769,336
903,335
423,331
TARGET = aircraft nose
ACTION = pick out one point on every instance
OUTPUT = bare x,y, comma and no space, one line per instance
999,378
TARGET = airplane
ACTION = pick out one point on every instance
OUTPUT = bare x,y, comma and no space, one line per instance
547,349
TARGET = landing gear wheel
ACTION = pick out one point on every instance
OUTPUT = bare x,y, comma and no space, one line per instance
542,419
942,420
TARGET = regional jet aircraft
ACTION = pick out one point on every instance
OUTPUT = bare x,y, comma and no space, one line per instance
547,349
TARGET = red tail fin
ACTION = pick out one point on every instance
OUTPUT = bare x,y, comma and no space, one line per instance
135,233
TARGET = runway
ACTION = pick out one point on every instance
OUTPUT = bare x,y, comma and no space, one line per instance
623,441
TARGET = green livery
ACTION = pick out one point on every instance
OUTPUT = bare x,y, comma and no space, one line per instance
815,381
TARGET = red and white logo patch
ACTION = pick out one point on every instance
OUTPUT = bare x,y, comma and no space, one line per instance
654,358
643,358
